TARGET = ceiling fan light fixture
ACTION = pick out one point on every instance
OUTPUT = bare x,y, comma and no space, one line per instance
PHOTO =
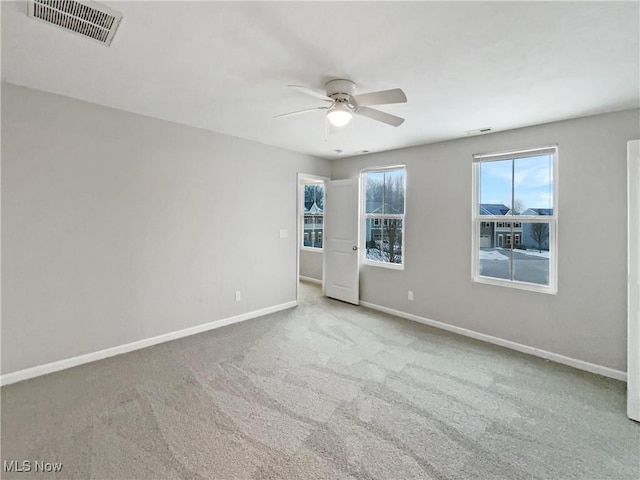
344,104
339,115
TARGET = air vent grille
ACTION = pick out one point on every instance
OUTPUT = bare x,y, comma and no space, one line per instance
479,131
86,18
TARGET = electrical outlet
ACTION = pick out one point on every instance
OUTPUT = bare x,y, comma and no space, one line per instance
410,295
238,296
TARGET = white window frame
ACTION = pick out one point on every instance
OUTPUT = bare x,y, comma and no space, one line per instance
308,180
552,220
364,216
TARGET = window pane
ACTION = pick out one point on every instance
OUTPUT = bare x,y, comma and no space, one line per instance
313,198
494,255
531,261
533,185
384,240
495,187
394,192
308,197
313,215
374,186
313,231
524,249
319,196
308,230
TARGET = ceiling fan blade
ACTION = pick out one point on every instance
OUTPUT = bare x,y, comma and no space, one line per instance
301,111
383,97
380,116
313,93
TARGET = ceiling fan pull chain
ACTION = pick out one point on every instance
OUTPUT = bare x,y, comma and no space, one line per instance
326,128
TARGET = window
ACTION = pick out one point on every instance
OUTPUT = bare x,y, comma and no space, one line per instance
517,184
312,211
383,216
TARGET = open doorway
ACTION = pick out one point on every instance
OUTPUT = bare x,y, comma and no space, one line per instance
310,227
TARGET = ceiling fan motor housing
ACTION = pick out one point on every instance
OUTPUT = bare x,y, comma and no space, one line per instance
339,86
341,91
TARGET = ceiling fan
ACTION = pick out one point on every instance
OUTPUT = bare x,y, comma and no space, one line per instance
342,103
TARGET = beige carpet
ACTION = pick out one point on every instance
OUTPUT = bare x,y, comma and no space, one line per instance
325,390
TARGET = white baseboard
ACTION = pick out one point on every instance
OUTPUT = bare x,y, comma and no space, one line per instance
554,357
310,280
32,372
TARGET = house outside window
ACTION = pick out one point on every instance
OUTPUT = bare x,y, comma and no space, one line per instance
384,216
515,194
313,213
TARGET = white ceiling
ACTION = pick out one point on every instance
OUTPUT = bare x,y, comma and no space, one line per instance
225,66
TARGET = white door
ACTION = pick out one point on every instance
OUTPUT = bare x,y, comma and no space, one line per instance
633,304
341,275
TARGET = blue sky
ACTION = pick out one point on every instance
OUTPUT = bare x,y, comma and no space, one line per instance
532,179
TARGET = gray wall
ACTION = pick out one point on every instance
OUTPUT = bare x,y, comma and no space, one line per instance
311,264
118,227
586,320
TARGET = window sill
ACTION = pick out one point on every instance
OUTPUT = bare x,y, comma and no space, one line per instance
311,249
532,287
390,266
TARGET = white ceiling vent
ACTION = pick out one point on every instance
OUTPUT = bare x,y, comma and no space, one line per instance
84,17
479,131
